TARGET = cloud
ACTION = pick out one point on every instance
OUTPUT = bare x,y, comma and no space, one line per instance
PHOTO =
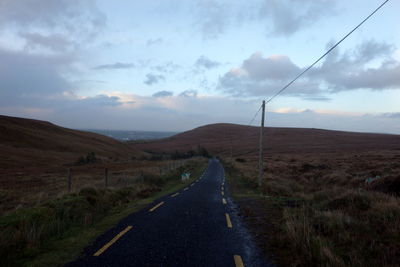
280,17
189,93
162,94
53,42
335,120
168,67
371,65
24,77
263,76
286,17
153,78
114,66
394,115
176,113
354,69
205,63
212,17
151,42
98,101
275,67
76,17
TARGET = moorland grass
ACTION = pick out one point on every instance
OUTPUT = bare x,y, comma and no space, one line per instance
318,217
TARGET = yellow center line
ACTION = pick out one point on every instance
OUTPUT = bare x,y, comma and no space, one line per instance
228,220
238,261
174,195
156,206
224,201
106,246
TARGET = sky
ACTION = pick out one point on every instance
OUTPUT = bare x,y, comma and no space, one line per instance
172,65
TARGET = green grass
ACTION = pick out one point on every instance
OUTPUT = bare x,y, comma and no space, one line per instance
56,231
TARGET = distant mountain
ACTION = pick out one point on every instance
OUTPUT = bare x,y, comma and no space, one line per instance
244,140
34,143
132,135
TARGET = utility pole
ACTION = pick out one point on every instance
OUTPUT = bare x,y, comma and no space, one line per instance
261,154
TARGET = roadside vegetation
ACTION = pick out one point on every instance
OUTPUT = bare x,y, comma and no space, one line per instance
319,211
55,231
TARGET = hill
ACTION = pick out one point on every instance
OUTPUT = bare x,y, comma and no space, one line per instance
33,143
224,139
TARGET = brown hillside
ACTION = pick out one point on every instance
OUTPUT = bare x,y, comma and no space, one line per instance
34,143
243,140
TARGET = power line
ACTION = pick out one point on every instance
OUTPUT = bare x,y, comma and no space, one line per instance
255,115
326,53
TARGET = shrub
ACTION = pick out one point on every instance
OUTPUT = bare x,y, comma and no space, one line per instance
90,158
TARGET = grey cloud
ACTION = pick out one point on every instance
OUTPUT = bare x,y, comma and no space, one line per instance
372,49
73,16
205,63
393,115
212,17
189,93
260,76
168,67
54,42
281,17
351,70
317,98
288,17
151,42
153,78
25,76
277,67
33,81
117,65
95,101
161,94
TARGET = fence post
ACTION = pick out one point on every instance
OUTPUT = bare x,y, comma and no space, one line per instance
106,177
69,181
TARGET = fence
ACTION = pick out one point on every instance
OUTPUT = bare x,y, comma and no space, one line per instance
32,186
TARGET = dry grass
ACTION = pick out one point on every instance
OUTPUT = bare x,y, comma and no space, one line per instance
327,215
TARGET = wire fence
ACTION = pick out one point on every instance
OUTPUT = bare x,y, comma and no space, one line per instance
31,187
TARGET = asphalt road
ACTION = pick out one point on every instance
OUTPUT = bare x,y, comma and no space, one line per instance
196,226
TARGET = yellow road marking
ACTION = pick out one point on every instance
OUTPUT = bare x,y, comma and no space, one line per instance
185,189
156,206
174,195
228,220
224,201
106,246
238,261
222,192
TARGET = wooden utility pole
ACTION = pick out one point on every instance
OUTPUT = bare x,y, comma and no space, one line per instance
261,154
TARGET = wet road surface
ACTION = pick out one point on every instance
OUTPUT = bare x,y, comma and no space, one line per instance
196,226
